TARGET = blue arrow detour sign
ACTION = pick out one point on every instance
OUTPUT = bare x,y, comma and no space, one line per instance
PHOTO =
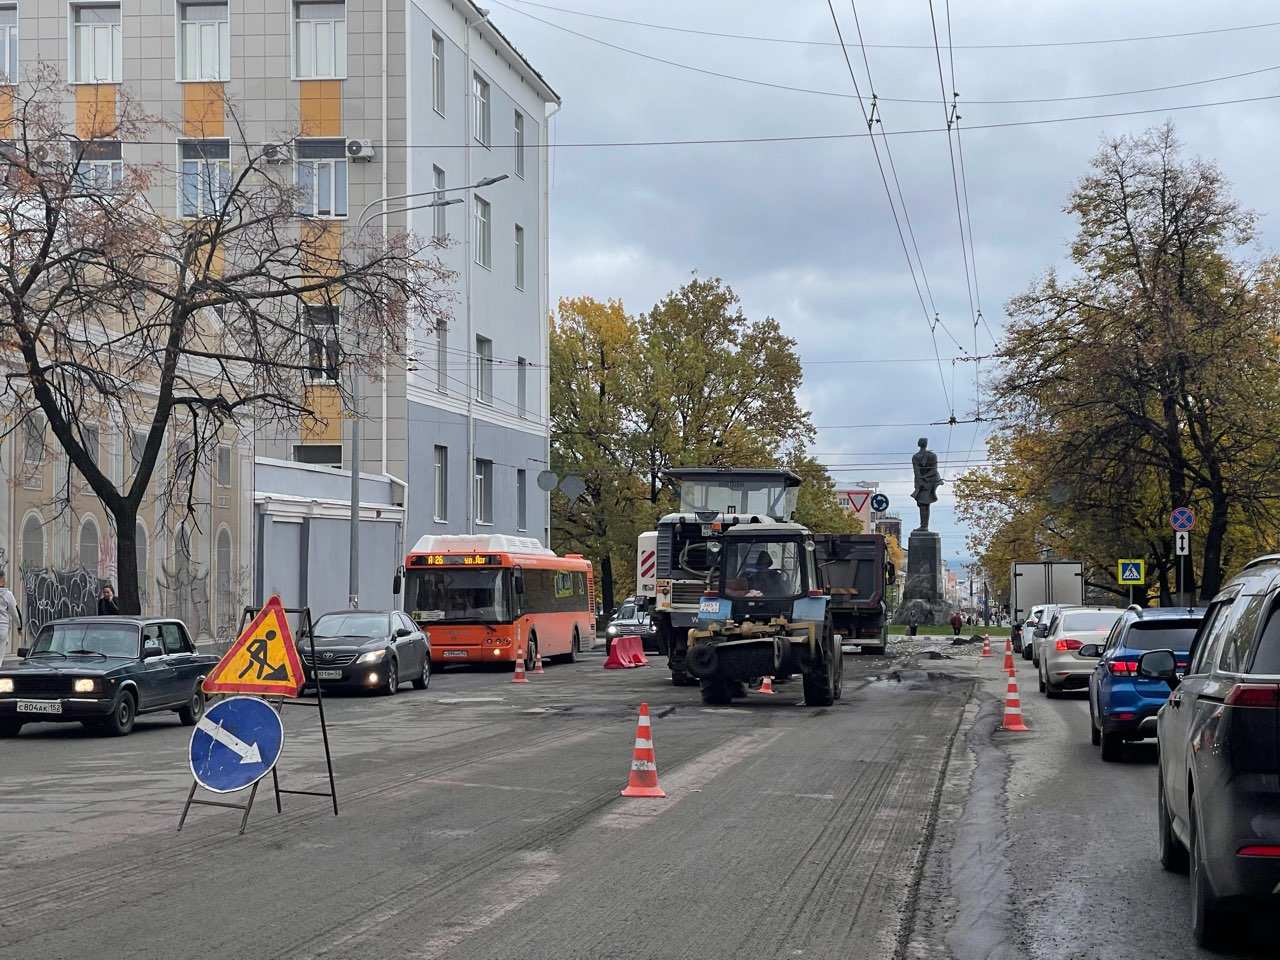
235,744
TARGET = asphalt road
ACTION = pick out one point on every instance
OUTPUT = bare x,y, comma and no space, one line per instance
480,819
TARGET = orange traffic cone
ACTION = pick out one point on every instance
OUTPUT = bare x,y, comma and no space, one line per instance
519,676
986,646
643,781
537,661
766,685
1013,709
1008,662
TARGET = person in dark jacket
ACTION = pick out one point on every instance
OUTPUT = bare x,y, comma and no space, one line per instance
957,622
107,602
913,623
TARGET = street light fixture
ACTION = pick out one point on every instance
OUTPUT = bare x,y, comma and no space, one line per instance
353,574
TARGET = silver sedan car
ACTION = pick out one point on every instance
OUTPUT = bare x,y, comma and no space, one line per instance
1061,666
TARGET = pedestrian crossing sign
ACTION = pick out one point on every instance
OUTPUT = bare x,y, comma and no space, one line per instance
263,659
1131,573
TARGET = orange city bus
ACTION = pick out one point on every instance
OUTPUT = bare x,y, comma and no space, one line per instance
483,599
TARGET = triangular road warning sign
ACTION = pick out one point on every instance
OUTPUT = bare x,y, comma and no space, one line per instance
858,499
262,660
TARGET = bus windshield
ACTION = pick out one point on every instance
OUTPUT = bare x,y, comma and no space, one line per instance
458,595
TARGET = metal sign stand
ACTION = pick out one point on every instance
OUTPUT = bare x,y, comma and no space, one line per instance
304,625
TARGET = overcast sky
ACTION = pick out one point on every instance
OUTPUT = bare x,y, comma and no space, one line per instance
802,230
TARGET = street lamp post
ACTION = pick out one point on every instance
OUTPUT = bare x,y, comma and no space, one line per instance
353,569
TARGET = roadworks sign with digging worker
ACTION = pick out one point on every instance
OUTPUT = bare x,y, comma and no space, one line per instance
263,660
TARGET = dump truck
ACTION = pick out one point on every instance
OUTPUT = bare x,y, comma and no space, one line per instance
856,572
764,614
681,567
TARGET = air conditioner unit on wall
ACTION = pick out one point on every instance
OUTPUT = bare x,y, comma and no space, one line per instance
276,153
361,150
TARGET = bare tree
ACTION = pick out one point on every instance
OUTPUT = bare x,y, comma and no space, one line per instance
119,312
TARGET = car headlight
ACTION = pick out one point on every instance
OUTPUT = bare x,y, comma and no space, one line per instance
612,631
6,684
85,685
373,656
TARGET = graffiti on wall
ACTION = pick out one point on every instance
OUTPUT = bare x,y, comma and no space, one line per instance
53,594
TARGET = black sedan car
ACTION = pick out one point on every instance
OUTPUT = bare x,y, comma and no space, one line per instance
1219,778
104,672
367,650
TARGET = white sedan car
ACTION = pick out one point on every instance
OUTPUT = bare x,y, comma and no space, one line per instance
1061,666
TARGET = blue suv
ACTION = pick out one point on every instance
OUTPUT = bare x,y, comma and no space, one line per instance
1122,704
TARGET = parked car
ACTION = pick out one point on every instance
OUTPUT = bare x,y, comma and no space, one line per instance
1022,633
1123,705
632,620
368,650
1042,628
104,672
1062,667
1219,767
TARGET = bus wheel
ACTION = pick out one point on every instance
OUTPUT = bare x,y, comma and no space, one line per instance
572,655
530,652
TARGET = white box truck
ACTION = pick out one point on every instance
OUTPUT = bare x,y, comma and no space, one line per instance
1047,581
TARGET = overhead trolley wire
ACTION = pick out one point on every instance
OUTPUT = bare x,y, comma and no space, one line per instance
867,117
1013,45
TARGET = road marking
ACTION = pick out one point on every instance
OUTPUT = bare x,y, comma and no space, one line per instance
453,700
246,752
497,786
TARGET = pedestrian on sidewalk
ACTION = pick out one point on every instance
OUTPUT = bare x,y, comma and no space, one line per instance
10,619
913,623
957,622
107,602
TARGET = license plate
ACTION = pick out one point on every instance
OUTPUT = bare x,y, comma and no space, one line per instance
39,706
329,674
454,653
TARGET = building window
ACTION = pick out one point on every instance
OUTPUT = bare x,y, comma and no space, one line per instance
32,543
89,545
440,222
100,166
205,44
442,483
480,103
224,465
519,144
91,440
137,446
140,551
8,44
481,233
519,257
184,467
96,43
484,491
522,511
484,370
442,358
33,438
522,384
320,328
206,176
321,40
226,615
437,73
322,177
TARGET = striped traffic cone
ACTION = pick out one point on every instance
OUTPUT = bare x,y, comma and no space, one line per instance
643,780
1008,661
986,646
537,661
519,676
1013,709
766,686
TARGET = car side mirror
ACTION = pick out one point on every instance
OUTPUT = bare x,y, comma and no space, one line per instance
402,632
1159,665
1091,650
23,651
150,650
396,582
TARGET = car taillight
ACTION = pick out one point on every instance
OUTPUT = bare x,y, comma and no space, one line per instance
1062,646
1123,668
1255,695
1259,850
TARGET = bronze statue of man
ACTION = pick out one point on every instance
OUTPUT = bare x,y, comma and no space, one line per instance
924,463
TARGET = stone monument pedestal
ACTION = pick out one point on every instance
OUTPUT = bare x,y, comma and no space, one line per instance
922,592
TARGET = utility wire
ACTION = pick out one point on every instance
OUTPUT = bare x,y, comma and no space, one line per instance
1015,45
892,207
791,88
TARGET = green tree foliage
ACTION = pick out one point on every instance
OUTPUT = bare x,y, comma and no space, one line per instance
693,382
1143,381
